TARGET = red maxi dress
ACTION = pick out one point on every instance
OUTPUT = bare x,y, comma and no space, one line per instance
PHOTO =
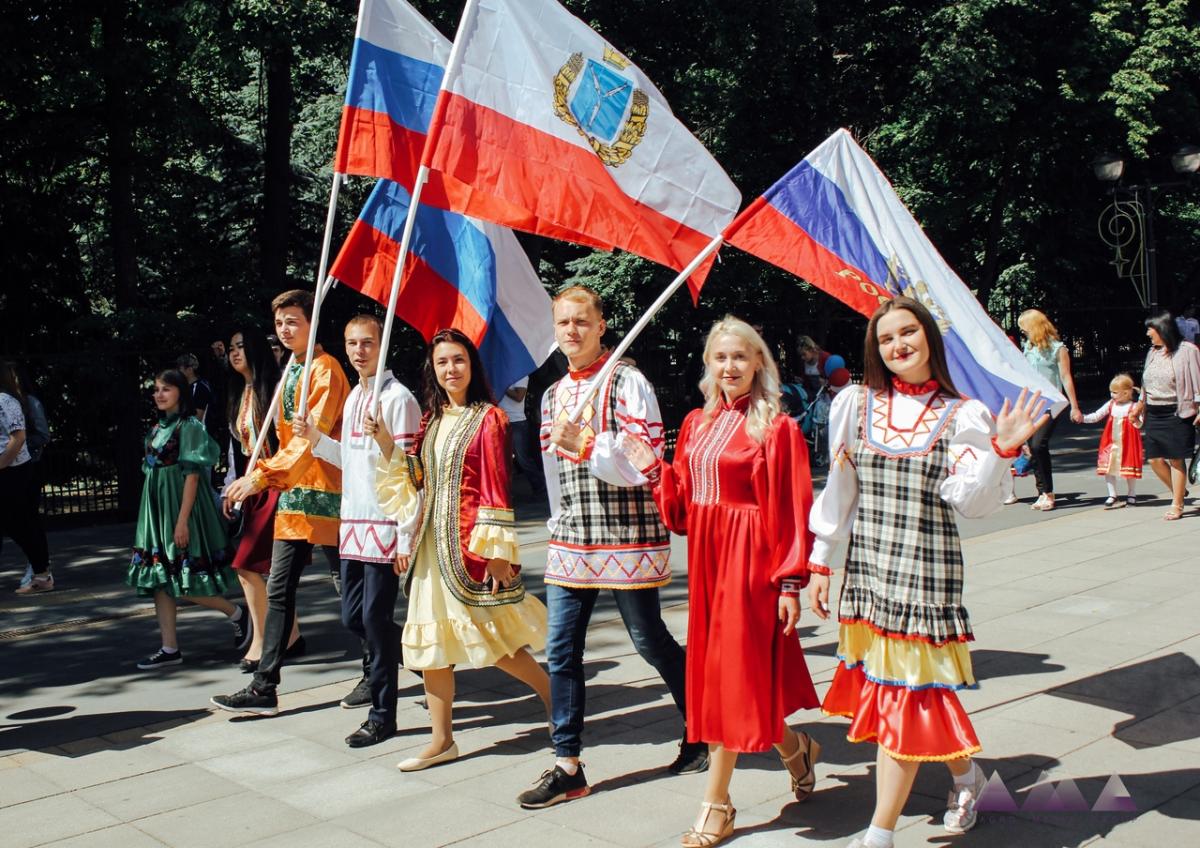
743,505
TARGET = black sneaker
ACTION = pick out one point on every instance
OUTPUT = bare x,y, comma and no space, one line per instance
243,630
161,659
360,696
554,787
248,701
692,759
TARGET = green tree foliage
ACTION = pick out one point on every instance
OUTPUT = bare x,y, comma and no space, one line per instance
166,166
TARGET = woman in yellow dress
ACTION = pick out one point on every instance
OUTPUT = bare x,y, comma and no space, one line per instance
467,604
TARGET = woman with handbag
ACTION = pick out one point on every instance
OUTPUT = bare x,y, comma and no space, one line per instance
467,604
1170,406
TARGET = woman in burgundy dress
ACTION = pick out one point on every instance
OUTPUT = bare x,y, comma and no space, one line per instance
739,488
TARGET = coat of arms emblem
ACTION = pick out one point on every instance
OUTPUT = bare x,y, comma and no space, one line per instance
603,104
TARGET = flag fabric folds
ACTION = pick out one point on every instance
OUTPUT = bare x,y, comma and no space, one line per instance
464,273
396,70
555,132
836,221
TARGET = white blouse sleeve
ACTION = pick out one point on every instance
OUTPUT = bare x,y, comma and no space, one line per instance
833,513
638,417
1099,415
975,485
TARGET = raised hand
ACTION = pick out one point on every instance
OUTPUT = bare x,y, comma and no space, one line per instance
1017,422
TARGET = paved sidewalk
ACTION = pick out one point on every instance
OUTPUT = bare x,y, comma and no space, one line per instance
1088,641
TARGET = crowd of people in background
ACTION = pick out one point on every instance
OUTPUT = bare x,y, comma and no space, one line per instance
411,491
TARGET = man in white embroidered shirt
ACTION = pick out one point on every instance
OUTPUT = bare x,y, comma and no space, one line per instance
368,542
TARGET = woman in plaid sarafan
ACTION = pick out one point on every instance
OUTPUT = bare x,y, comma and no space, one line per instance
907,451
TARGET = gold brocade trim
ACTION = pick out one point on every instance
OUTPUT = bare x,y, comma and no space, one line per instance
495,516
443,483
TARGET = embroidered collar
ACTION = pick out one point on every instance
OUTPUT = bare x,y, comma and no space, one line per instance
914,388
741,404
591,370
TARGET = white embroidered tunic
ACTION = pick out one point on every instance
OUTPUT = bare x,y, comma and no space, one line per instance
366,534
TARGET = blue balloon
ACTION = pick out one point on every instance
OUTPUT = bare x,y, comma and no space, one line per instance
833,363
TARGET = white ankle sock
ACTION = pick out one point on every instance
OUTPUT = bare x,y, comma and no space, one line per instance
237,614
877,837
567,766
966,779
167,650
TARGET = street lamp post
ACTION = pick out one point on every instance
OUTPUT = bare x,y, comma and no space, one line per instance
1128,224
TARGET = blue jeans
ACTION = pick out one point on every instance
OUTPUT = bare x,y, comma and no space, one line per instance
570,610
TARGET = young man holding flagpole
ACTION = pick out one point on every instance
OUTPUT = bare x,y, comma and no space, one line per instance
309,503
370,542
605,533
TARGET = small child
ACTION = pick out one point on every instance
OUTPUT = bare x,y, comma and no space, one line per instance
1121,443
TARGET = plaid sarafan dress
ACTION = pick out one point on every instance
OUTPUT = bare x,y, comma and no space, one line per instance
903,461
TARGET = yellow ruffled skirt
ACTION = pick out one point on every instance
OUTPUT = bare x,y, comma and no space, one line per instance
442,631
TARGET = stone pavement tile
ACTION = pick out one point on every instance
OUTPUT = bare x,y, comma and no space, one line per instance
1069,713
159,791
346,790
323,835
439,817
1150,775
276,763
18,785
534,831
1176,822
121,836
211,739
1091,648
1174,727
633,816
105,765
48,819
1003,738
236,820
1157,681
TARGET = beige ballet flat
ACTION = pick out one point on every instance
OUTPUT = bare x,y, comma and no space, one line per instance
418,763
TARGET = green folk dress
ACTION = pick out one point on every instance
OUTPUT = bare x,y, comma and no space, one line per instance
176,448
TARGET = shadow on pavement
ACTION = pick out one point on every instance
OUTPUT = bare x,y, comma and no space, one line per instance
1152,691
50,733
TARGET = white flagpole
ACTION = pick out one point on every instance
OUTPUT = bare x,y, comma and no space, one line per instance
452,66
322,287
641,324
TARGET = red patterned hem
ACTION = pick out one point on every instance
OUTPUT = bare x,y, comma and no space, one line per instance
923,725
908,637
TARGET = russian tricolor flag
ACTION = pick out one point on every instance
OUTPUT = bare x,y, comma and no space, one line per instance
463,273
836,221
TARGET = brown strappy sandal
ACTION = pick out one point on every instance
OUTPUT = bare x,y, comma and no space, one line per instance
802,765
694,837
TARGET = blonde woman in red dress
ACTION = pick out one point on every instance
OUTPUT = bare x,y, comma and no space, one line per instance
739,488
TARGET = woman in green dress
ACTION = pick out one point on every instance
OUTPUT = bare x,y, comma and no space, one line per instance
180,547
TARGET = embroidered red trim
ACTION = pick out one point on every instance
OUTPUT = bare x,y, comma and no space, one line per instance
1003,454
914,388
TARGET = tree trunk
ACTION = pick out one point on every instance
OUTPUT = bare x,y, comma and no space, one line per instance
990,271
122,235
277,163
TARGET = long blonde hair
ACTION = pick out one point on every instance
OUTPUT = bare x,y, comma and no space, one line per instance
764,390
1037,328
